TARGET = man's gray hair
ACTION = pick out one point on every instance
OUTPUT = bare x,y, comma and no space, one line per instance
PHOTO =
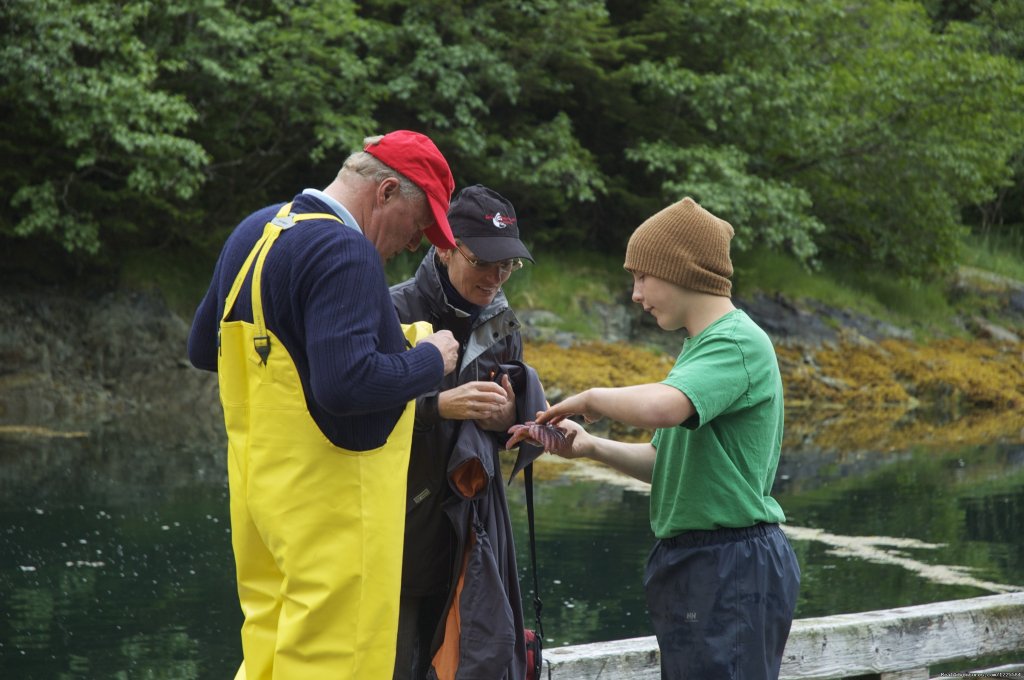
369,167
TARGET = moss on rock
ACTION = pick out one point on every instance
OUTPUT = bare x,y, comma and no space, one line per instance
566,371
853,394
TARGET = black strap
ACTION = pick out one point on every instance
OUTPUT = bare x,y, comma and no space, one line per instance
537,604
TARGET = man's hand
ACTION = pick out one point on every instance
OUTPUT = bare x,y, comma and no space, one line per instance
477,400
446,343
506,415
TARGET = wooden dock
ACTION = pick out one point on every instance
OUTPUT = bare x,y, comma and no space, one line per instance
890,644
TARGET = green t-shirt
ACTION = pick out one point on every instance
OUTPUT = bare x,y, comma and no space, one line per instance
717,469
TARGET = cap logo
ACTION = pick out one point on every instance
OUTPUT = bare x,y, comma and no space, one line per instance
500,221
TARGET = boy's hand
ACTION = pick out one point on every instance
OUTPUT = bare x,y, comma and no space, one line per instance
552,438
577,438
576,405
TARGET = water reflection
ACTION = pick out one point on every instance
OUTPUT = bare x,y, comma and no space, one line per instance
937,498
592,541
871,531
115,557
114,564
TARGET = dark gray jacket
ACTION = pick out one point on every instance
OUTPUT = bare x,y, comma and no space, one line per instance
486,342
485,612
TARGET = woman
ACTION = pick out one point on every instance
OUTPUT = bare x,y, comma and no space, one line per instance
456,289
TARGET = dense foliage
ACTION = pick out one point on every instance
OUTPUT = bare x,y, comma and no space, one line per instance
866,129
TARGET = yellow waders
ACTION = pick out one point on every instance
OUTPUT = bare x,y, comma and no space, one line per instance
316,529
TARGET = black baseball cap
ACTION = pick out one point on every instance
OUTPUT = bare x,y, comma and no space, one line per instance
485,221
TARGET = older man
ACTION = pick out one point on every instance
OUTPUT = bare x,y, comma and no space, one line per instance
317,385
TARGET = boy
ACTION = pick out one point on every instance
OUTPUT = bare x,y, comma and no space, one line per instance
722,580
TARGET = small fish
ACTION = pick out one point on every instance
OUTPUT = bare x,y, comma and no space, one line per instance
552,438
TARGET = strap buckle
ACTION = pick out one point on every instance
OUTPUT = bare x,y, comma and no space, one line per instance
285,221
262,345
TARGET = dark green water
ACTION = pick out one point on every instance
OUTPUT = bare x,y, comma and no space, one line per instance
115,557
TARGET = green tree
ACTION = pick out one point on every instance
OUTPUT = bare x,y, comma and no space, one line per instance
500,86
142,122
92,142
832,129
1002,26
283,91
852,128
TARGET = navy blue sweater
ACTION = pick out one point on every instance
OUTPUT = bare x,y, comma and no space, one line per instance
326,298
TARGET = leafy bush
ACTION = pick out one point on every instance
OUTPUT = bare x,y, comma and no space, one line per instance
831,130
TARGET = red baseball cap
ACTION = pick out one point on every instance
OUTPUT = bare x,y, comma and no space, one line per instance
415,156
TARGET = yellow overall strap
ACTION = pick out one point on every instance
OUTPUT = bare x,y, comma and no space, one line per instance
285,219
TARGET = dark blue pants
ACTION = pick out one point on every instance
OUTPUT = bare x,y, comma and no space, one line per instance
722,602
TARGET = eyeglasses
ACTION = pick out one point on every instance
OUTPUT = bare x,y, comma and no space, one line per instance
505,267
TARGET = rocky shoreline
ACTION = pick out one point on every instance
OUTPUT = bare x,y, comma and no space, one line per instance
70,361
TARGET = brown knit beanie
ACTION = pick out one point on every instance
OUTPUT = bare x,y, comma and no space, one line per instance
684,244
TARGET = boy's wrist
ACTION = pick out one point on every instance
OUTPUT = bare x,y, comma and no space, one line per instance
591,448
591,399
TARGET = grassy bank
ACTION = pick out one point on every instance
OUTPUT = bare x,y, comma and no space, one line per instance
560,282
885,393
851,395
944,386
564,281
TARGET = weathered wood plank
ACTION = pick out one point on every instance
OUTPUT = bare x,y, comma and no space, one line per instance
908,637
914,674
890,642
631,659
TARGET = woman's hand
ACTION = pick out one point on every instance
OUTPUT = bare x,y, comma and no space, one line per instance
506,415
477,400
